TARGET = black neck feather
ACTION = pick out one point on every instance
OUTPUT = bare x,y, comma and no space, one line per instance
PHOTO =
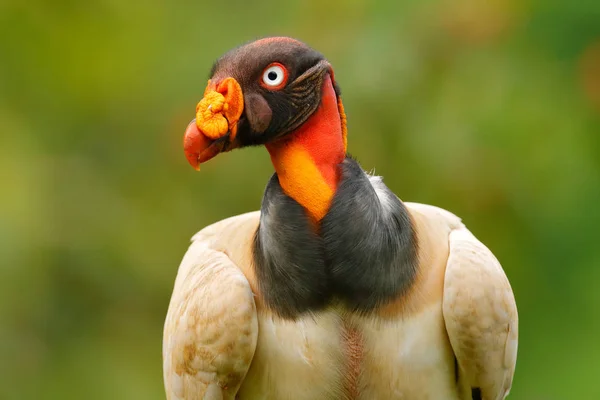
364,256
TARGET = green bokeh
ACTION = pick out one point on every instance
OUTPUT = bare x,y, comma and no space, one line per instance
487,109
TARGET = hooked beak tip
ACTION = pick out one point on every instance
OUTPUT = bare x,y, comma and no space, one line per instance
199,148
194,143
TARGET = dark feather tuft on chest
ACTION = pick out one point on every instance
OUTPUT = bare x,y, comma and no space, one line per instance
364,255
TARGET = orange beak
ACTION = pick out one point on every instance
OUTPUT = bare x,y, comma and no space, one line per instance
216,120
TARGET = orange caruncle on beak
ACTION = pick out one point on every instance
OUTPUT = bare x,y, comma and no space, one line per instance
217,115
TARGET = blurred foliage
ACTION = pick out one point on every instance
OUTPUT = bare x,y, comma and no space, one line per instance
488,109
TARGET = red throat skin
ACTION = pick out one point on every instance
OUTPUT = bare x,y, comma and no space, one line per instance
307,161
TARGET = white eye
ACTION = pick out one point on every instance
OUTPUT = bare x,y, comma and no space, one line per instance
273,76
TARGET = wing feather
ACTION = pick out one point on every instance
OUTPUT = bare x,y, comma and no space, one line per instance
211,327
480,315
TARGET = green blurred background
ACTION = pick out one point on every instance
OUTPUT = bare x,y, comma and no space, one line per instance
488,109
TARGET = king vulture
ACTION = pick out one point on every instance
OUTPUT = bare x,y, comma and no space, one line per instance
335,289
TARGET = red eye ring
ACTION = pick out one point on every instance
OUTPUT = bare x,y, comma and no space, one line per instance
274,77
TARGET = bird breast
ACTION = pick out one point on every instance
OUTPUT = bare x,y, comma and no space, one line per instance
333,355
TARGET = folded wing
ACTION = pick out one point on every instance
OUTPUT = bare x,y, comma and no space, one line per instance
211,327
481,317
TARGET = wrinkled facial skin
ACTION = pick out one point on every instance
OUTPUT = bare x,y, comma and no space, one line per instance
271,114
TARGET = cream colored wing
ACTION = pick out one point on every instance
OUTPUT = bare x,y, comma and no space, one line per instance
481,316
211,327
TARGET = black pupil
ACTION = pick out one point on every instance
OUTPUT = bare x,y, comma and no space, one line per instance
272,75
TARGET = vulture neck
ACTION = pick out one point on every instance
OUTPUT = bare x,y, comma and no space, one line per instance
307,161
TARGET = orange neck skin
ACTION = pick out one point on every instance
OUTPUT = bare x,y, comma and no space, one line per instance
307,161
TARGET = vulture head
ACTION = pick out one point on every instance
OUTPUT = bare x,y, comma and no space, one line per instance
280,93
258,94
